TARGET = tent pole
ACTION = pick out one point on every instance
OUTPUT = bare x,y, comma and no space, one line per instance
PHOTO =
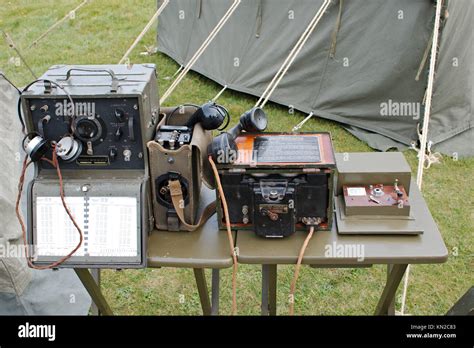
426,120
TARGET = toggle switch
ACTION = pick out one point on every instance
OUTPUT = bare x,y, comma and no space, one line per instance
112,154
119,115
118,134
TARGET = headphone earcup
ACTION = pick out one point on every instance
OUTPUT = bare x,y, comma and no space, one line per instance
37,148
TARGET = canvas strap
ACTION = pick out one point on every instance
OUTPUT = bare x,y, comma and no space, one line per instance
178,203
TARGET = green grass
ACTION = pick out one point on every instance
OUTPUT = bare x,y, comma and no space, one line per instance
100,34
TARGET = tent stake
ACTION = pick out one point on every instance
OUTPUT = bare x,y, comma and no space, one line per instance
301,124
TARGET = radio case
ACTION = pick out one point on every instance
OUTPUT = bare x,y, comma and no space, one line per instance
188,164
280,183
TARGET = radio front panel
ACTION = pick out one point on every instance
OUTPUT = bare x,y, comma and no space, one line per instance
108,129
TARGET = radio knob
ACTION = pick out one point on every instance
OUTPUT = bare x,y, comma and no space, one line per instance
112,154
119,115
127,154
273,194
118,134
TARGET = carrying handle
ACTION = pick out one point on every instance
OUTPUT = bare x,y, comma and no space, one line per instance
115,80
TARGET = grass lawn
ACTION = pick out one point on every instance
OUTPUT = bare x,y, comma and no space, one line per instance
100,34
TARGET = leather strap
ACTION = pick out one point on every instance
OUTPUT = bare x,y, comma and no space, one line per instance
178,203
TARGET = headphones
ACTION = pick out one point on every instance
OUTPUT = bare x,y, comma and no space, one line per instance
68,148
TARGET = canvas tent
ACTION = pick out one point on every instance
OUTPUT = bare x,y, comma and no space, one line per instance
359,67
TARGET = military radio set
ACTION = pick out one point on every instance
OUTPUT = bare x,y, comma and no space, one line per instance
111,166
95,120
280,183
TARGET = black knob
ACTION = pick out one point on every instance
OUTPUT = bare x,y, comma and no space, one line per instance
118,134
119,115
112,154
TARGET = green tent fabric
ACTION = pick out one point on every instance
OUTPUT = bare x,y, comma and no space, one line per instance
360,71
14,273
452,120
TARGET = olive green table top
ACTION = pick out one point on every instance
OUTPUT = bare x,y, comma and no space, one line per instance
327,247
207,247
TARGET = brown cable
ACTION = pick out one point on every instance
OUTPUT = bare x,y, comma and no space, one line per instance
54,163
229,235
297,270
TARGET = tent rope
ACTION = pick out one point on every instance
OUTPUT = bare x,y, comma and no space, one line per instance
219,94
58,23
175,73
430,157
292,56
429,93
14,47
426,120
201,49
301,124
144,31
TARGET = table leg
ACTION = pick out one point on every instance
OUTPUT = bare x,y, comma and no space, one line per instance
202,289
269,289
391,306
264,306
215,291
95,272
94,290
387,300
